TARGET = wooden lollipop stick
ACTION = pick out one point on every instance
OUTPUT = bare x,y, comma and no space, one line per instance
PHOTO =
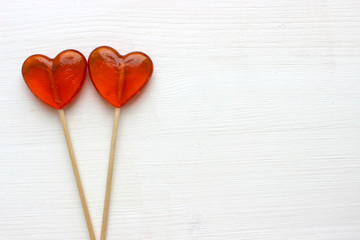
109,174
77,175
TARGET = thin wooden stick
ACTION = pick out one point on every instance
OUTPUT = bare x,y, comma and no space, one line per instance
109,174
77,175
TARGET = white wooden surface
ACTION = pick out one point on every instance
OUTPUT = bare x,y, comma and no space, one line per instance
249,128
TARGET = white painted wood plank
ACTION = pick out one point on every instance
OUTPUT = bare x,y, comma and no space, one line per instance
249,128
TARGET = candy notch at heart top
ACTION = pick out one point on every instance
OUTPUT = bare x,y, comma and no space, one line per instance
55,81
118,78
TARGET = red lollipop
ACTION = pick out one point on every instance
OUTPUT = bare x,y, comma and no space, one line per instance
57,82
117,78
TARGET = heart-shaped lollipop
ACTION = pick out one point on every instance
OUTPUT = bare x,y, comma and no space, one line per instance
118,78
55,81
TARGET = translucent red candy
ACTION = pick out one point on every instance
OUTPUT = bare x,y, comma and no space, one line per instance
118,78
55,81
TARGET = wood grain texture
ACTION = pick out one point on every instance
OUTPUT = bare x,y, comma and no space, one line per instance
248,129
